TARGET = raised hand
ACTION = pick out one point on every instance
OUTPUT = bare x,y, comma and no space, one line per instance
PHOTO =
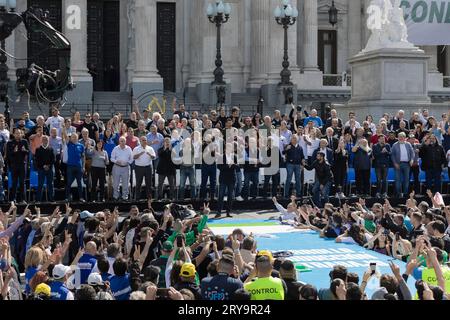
137,252
175,294
341,291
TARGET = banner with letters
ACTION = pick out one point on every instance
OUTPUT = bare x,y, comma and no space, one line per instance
428,21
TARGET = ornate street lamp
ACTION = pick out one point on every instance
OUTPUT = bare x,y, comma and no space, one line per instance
333,14
286,16
8,21
219,13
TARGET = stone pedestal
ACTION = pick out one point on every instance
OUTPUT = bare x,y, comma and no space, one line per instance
213,94
282,103
386,80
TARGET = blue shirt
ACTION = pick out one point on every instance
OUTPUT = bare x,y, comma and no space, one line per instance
318,121
219,287
59,291
408,224
120,287
29,274
110,143
155,137
86,264
75,153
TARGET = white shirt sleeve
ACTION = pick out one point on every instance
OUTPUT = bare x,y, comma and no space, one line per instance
70,296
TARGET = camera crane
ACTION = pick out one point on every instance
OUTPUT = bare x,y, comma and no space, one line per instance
45,86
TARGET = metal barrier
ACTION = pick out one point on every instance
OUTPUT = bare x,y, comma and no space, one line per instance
336,80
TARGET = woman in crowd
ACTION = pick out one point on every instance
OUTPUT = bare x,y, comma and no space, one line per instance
362,165
100,160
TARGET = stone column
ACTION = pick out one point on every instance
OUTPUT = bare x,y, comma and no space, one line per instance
311,78
185,69
10,47
435,78
311,35
145,76
74,27
260,13
20,43
131,41
354,27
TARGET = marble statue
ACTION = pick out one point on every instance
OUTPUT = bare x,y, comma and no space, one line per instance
387,26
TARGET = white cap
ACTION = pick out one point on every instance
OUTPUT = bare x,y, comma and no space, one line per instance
60,270
95,279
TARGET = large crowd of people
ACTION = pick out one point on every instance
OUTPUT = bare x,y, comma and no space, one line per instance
148,255
221,156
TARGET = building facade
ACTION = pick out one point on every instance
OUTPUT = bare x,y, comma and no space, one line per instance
141,48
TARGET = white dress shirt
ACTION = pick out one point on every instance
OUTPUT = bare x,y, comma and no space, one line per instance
122,157
144,160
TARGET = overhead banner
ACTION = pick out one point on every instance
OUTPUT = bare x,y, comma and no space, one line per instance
428,21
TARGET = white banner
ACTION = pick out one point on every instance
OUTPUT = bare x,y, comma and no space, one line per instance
428,21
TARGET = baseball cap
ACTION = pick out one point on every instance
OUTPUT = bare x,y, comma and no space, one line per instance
95,279
86,214
60,270
266,253
187,270
43,288
167,246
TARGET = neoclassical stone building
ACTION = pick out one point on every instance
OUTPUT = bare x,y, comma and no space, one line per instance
145,47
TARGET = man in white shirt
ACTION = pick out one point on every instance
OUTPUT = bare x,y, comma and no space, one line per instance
290,214
143,156
55,121
122,157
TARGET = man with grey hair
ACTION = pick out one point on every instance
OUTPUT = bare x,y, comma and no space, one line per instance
402,156
143,156
122,157
98,122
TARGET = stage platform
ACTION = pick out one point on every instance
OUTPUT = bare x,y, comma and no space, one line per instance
255,204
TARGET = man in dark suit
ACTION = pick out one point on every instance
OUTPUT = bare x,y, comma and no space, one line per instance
331,139
227,180
334,115
17,157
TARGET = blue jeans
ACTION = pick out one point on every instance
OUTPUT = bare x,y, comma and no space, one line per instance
292,169
320,197
187,173
209,171
45,176
402,179
238,185
253,177
433,179
74,173
382,182
229,187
